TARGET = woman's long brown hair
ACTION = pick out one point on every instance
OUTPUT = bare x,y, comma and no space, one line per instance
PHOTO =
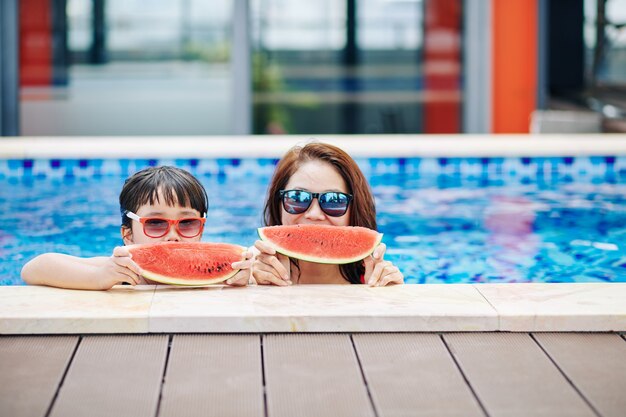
362,210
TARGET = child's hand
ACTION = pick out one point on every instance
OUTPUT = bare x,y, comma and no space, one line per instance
270,267
244,275
379,272
119,268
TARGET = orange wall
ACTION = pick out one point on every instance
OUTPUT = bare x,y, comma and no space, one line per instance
514,60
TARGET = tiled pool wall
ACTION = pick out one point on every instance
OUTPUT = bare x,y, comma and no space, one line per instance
433,210
581,166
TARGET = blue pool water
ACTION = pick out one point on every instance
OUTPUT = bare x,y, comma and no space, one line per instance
445,220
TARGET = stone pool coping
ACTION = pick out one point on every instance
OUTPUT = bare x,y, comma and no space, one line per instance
396,145
524,307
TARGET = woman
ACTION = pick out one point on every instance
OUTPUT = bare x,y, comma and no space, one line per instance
320,184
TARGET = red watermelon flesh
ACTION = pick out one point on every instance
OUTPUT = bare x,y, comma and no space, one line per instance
322,243
187,263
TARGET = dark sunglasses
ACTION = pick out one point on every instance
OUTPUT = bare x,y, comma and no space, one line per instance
158,227
333,203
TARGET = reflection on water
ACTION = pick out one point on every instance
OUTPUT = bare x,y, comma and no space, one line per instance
438,228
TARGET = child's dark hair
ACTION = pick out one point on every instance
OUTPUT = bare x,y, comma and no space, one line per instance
176,185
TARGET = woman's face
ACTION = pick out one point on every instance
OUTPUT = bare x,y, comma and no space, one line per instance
316,177
163,211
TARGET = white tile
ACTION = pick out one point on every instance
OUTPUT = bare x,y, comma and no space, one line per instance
321,308
531,307
41,310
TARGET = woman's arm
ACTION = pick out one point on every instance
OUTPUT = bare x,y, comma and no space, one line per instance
65,271
270,267
379,272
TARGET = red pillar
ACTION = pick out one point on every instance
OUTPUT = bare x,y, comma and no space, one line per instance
442,66
514,64
35,42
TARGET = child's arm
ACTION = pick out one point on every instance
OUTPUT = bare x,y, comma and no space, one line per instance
65,271
244,275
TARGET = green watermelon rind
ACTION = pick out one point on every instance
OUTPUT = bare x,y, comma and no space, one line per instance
185,281
164,279
315,259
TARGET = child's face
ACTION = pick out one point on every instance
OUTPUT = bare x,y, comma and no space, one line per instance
160,210
316,177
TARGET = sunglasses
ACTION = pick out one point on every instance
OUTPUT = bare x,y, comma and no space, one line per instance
333,203
158,227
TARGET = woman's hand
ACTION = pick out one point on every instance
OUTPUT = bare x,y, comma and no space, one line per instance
270,268
243,277
379,272
118,269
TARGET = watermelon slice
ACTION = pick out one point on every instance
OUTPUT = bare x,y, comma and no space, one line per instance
322,243
184,263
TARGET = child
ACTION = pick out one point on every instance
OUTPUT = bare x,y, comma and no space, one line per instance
157,204
320,184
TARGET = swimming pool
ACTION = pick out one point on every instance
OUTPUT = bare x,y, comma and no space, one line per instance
445,219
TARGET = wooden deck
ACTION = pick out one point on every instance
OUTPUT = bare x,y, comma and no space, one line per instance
340,374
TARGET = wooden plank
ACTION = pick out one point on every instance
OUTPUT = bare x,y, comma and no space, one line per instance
512,376
595,363
114,376
213,375
313,375
413,374
32,368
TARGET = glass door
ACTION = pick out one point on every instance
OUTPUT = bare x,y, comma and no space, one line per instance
125,67
356,66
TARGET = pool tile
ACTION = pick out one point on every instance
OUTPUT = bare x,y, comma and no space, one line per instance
321,308
111,167
42,310
522,167
533,307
